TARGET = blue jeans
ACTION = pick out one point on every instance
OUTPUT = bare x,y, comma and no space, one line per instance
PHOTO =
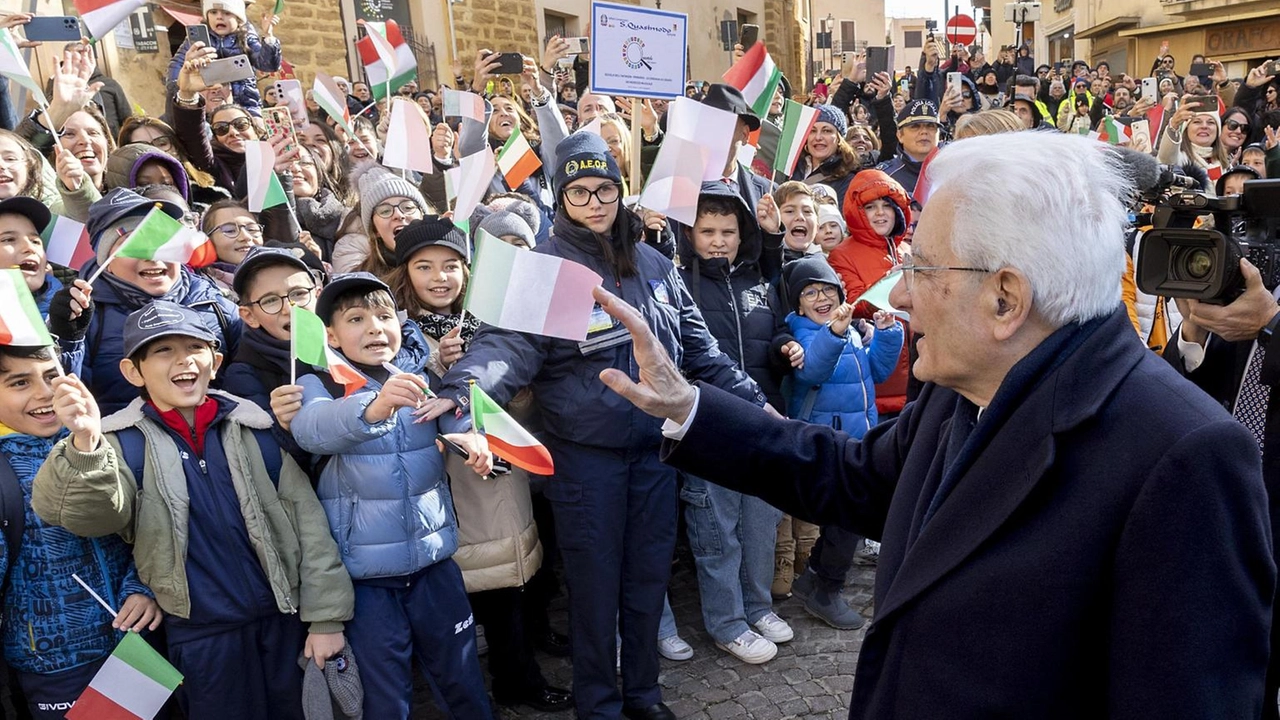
732,537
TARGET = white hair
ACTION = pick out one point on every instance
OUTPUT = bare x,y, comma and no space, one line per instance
1050,205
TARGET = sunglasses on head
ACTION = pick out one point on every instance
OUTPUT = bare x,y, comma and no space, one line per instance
240,124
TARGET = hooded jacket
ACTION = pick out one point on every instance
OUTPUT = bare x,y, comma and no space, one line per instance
742,311
564,375
865,256
123,166
834,387
264,56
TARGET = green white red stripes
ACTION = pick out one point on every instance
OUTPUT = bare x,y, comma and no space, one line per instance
265,190
507,439
530,292
387,58
102,16
66,243
164,239
517,160
797,119
1111,131
309,344
327,95
20,320
15,68
408,143
757,77
134,683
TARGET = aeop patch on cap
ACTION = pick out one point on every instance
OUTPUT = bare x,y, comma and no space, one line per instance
158,316
573,167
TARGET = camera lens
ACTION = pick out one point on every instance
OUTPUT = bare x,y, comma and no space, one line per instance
1192,263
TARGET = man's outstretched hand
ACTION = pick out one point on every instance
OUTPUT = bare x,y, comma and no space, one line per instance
662,391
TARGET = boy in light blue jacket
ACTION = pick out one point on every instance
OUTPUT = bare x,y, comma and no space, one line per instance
386,495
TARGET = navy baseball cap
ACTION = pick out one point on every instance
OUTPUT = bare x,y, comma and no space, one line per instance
342,284
30,208
161,318
121,203
262,256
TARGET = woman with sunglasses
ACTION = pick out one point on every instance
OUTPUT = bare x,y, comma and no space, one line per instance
1258,95
152,131
1237,127
614,502
231,125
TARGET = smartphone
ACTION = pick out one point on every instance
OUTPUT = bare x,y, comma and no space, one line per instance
1201,69
1207,102
954,81
294,100
279,122
579,45
54,28
879,60
198,33
227,70
510,64
1271,67
1150,89
748,36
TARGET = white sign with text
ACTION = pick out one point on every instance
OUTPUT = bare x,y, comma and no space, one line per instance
638,52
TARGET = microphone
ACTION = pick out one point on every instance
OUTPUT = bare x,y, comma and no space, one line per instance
1149,174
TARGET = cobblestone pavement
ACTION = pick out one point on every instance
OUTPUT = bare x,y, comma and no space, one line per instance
811,677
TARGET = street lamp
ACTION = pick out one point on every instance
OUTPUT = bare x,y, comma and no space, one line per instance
831,46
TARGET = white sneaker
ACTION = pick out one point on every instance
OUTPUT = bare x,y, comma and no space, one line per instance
674,648
774,629
750,648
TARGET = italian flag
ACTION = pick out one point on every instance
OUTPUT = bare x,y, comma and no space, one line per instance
133,684
470,184
163,239
20,320
66,243
1113,132
102,16
529,292
330,98
15,68
408,144
517,160
309,344
463,104
757,77
507,439
797,119
265,190
387,59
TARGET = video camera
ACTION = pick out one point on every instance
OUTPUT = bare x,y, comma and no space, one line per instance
1178,260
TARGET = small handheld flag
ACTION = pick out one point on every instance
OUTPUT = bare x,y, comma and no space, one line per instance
162,238
265,190
20,320
507,439
308,344
757,77
66,243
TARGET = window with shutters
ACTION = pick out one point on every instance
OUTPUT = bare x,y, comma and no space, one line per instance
848,35
913,38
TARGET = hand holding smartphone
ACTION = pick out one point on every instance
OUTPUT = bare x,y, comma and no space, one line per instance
199,33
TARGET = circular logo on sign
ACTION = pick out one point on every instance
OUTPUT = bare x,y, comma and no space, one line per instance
633,53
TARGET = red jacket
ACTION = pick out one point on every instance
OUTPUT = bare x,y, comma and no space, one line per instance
864,257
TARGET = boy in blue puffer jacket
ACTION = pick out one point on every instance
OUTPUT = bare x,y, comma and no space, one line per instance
231,34
56,635
385,493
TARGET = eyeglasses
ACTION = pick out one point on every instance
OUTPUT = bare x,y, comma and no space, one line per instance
581,197
273,304
1167,62
240,124
1234,125
908,268
408,208
828,291
231,230
162,142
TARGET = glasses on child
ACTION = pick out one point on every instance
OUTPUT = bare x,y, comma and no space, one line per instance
231,230
581,197
273,304
240,124
407,208
828,291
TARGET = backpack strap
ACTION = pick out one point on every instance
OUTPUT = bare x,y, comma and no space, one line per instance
13,513
809,399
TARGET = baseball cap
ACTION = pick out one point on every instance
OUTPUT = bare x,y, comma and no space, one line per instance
342,284
918,111
161,318
259,257
30,208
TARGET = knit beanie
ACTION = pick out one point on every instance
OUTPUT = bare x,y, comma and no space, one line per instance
508,223
525,209
334,693
831,213
810,269
583,154
832,115
431,230
376,184
235,7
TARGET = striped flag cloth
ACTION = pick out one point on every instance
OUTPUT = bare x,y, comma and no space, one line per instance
161,238
15,68
797,119
102,16
308,343
408,143
507,439
133,684
529,292
265,190
463,104
1114,132
327,95
20,320
387,58
757,77
517,160
471,183
66,242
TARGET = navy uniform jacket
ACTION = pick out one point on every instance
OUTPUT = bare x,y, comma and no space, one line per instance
1105,552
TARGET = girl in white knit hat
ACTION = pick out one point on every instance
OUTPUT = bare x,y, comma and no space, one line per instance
231,34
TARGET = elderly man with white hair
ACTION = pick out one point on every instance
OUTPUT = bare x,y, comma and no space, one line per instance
1069,528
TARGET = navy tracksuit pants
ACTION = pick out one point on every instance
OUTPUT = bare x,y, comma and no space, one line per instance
615,516
425,616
